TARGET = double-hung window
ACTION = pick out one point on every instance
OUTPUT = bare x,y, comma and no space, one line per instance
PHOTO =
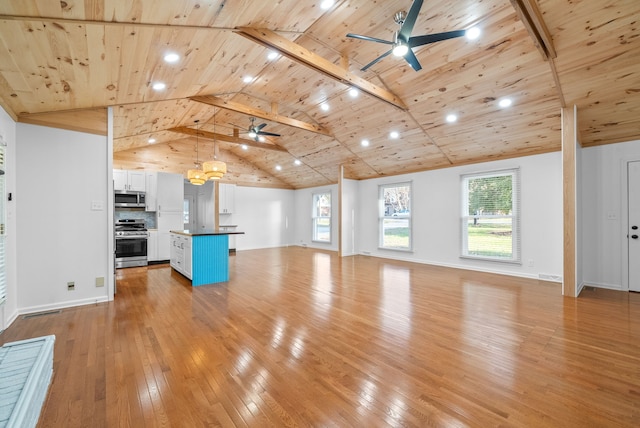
491,216
394,202
322,217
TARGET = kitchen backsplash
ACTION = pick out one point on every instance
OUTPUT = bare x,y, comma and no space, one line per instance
148,216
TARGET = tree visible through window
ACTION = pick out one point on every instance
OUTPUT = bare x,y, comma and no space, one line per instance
322,217
395,216
490,218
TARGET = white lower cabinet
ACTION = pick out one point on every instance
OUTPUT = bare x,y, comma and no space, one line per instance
181,254
152,246
166,222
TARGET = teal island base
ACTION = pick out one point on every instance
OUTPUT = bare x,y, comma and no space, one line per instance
201,256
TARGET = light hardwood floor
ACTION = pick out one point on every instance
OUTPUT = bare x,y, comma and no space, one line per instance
300,337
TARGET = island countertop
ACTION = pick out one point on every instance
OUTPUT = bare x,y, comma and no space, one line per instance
205,232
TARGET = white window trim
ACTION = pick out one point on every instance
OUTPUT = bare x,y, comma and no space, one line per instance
382,217
314,217
515,216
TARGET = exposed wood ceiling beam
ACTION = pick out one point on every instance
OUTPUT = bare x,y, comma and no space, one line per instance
530,15
272,116
226,138
307,58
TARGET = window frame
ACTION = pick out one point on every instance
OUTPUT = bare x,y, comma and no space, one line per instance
382,216
515,216
315,217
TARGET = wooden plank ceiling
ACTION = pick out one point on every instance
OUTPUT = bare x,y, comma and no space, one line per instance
63,62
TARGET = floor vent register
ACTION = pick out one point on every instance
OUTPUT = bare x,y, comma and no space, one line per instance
26,368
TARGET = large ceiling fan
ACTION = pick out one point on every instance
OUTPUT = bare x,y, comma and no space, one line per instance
255,131
403,42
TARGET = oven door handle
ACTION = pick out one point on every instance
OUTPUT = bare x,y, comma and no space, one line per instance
131,237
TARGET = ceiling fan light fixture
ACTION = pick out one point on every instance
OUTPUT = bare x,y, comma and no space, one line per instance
472,33
252,134
400,49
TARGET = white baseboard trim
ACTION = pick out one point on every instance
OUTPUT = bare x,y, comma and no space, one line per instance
62,305
468,268
617,287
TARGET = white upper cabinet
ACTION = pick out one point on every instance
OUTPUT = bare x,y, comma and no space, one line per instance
226,198
151,199
129,180
170,192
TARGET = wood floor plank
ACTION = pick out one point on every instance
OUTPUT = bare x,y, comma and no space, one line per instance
301,337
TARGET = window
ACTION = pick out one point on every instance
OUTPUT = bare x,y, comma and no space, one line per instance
491,216
322,217
395,216
185,211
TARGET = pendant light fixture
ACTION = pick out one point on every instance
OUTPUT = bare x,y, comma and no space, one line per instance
196,176
215,168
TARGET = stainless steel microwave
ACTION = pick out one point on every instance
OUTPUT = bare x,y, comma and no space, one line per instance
129,199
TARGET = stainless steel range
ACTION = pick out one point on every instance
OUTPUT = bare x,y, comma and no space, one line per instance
131,243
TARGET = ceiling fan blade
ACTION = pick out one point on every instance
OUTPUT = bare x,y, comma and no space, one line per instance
370,39
268,133
412,60
259,127
432,38
409,21
376,60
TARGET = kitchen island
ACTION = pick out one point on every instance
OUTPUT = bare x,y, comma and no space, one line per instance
201,255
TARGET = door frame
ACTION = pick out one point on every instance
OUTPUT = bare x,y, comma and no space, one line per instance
624,218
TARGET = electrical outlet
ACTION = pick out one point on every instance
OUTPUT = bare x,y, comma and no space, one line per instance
71,286
100,281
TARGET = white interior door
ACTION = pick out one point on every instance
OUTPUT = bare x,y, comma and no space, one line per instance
633,175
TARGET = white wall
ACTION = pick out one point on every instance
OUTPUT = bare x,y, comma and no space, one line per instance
265,215
59,175
304,221
436,211
9,311
603,191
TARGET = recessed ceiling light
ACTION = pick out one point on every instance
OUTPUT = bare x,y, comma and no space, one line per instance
171,57
353,92
151,140
394,134
324,107
297,162
451,118
326,4
278,168
364,143
247,79
245,147
272,55
505,102
472,33
159,86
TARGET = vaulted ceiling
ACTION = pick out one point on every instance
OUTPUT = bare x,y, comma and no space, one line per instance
63,62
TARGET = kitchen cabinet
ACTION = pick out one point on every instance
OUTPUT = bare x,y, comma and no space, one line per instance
226,198
129,180
151,199
165,222
202,255
181,254
152,246
169,192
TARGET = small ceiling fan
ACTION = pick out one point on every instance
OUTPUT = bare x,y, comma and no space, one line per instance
255,131
403,42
